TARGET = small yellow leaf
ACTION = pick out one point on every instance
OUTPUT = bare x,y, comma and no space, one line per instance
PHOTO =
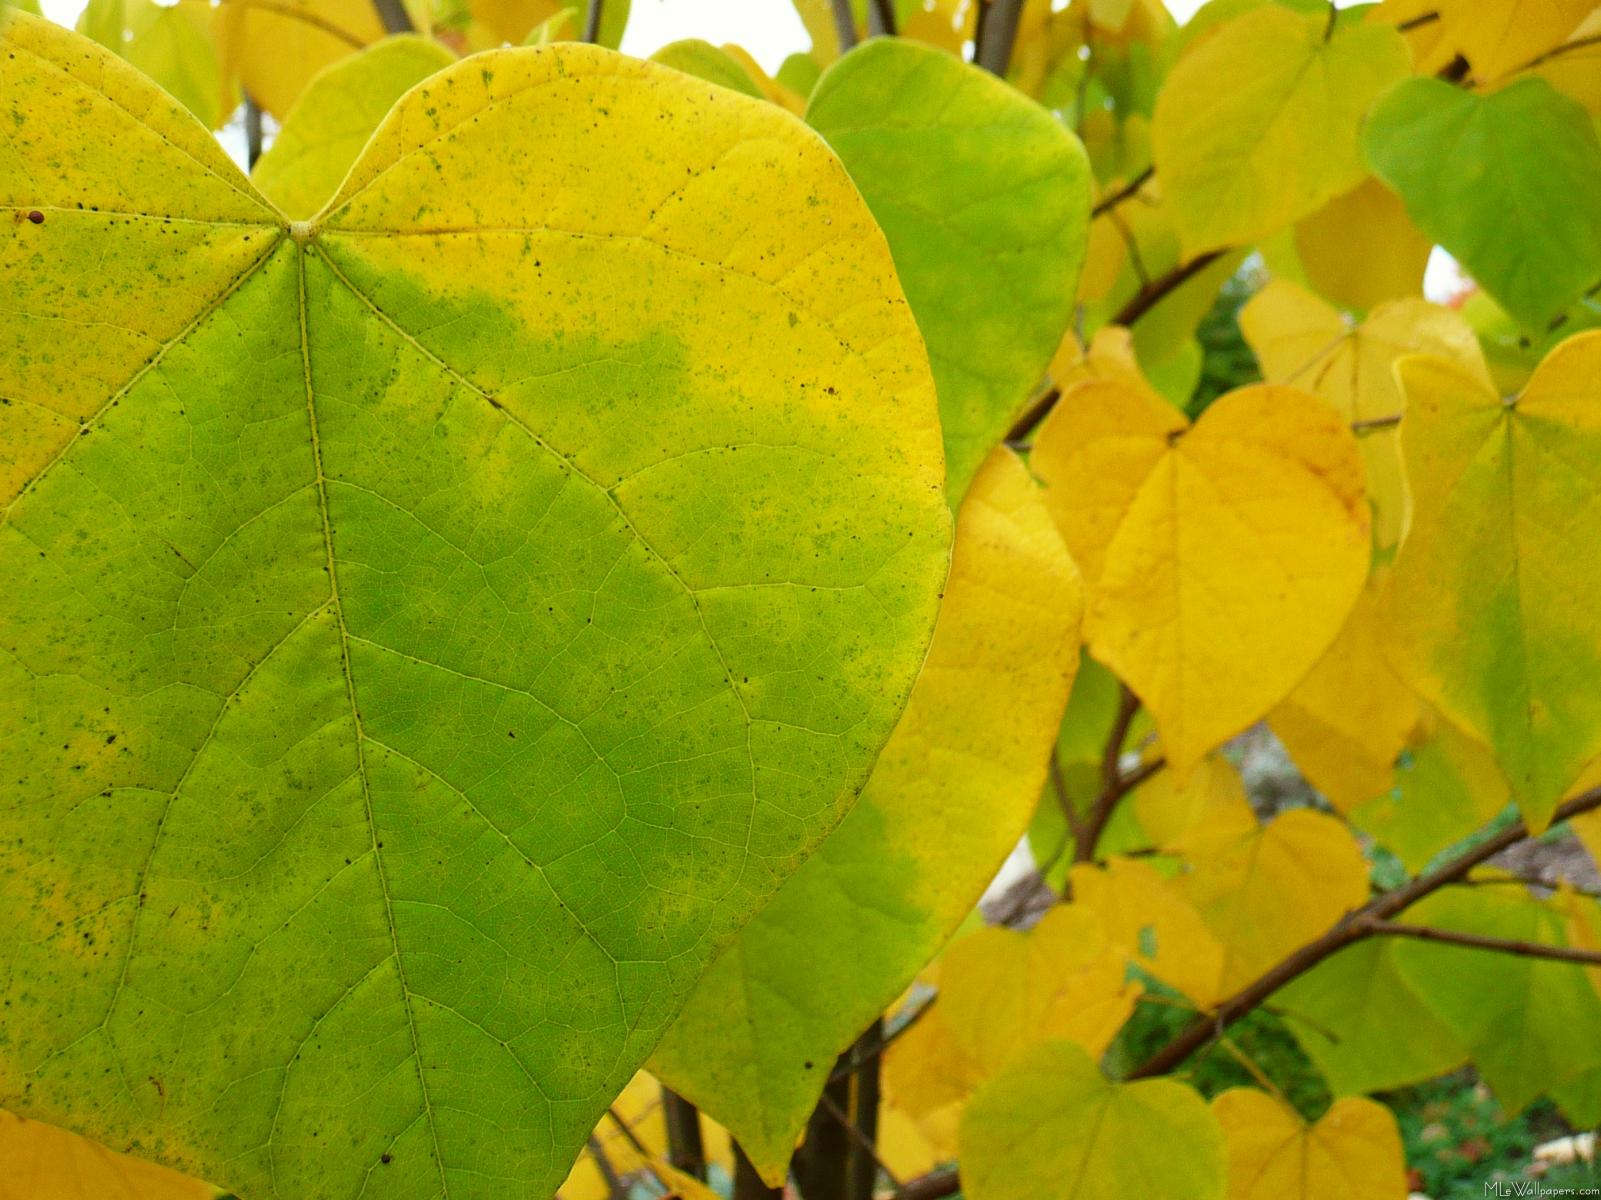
40,1162
1257,124
1214,793
1274,1155
1221,560
926,1070
639,1108
1490,609
1347,722
1301,340
1054,1128
275,50
1003,992
1361,248
1272,890
1110,357
1152,924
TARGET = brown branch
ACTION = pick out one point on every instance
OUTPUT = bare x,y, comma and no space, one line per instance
1154,292
686,1149
394,16
1032,415
1418,22
1477,941
996,35
1113,784
1583,43
844,26
1131,188
614,1182
1351,928
881,18
597,10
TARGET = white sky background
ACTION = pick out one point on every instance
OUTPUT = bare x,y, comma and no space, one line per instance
770,30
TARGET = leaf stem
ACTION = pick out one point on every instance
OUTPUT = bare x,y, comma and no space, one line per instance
1153,293
1128,190
597,10
1371,424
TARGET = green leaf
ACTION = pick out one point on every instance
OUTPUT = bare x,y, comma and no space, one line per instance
173,44
984,198
948,800
1488,612
1054,1128
1256,126
705,61
1492,179
1364,1026
334,117
1520,1017
430,633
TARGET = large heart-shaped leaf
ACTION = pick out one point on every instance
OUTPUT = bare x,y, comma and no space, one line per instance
429,633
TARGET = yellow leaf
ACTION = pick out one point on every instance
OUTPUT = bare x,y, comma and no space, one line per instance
926,1070
911,1146
1003,992
40,1162
1220,561
1497,38
1490,610
1301,340
1257,124
1347,722
1214,794
769,87
335,116
1152,924
1110,357
1054,1128
276,50
1274,1155
1361,248
1273,889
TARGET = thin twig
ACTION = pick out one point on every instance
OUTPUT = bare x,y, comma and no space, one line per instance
394,16
1149,296
252,132
1418,22
1583,43
1131,188
614,1182
1476,941
748,1182
881,18
597,10
1372,424
1032,416
1113,787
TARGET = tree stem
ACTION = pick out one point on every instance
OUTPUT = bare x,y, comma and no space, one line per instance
881,18
748,1183
844,26
686,1149
597,10
394,16
996,34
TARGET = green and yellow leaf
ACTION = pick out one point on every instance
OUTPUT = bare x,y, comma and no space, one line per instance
433,632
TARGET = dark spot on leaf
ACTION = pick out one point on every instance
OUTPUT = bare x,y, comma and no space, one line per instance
36,217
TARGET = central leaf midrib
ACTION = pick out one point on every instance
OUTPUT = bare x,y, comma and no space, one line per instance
355,716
